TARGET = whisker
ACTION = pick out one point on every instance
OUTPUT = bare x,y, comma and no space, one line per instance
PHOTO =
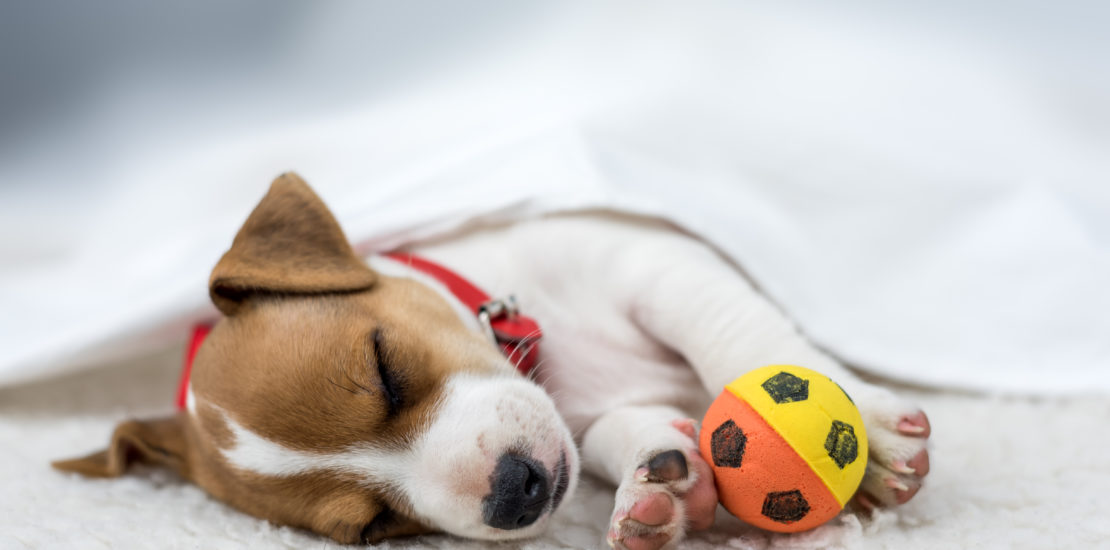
534,374
340,386
524,340
521,357
353,381
556,396
531,375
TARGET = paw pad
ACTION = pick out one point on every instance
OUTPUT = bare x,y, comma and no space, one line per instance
667,466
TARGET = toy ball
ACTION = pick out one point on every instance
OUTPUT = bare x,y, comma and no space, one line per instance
787,447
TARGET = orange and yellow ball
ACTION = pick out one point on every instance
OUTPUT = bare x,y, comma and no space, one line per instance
787,447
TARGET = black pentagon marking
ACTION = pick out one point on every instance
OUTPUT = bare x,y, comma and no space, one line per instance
842,444
786,506
786,388
727,444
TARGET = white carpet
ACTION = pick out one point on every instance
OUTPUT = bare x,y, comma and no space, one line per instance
1006,473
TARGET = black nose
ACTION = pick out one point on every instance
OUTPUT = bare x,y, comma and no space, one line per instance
519,491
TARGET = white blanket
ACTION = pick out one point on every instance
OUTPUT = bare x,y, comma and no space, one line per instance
929,201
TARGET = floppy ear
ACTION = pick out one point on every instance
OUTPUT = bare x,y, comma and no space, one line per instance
159,442
386,525
290,244
351,519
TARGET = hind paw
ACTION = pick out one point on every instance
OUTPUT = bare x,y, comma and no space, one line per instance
898,435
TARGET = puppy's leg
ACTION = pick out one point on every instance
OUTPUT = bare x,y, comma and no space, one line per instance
700,306
663,485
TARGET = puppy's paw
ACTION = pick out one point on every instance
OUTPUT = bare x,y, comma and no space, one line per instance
670,492
897,434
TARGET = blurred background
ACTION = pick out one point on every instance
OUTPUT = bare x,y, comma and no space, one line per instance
926,187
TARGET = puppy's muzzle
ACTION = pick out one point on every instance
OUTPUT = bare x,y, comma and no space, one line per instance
520,489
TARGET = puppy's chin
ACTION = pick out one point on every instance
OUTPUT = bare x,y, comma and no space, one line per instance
497,461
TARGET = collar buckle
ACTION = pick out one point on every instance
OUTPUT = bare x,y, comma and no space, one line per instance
495,309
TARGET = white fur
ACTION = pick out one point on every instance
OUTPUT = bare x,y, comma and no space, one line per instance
444,473
190,400
479,421
255,453
635,313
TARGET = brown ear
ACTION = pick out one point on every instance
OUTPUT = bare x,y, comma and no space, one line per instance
351,519
386,525
160,442
290,244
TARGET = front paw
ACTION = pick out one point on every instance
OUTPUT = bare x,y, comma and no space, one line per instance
897,434
671,492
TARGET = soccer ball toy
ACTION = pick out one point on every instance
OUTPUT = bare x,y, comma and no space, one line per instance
787,447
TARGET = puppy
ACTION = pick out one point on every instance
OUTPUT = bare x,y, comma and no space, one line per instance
362,400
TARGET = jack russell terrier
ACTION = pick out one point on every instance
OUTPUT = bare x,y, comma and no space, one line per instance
363,399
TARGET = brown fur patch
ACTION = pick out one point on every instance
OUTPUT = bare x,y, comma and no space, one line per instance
317,354
160,442
289,244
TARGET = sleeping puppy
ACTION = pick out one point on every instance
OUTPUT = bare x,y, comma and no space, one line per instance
361,400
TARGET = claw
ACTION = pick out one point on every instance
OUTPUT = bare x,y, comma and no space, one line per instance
895,483
909,428
900,467
916,424
920,463
614,541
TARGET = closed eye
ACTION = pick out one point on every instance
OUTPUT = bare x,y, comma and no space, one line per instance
390,384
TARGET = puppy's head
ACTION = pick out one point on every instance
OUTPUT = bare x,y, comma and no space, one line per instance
359,406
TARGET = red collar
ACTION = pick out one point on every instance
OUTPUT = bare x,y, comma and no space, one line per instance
199,332
518,336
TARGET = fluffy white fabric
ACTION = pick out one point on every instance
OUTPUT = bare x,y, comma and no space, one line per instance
929,202
1007,473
